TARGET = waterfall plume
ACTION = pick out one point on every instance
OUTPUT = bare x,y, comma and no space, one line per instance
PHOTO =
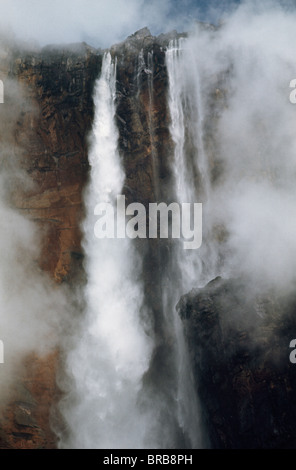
112,351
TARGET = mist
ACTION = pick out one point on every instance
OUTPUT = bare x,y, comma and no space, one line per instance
101,23
229,97
245,118
249,63
32,308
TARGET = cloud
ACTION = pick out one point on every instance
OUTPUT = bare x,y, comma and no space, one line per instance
31,307
101,23
255,137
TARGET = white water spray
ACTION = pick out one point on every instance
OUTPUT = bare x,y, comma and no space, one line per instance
186,124
190,164
113,352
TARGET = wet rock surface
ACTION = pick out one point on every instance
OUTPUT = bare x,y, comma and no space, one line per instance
52,131
51,128
239,346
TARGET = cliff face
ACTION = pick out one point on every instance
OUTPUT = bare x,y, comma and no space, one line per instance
243,376
52,133
144,141
239,347
54,138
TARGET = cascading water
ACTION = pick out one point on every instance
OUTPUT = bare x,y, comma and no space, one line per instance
190,164
120,398
132,384
113,352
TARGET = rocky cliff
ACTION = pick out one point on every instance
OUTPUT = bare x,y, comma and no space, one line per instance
239,346
243,377
51,127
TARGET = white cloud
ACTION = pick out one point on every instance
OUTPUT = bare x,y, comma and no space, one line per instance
99,22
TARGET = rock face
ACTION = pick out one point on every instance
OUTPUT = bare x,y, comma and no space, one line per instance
240,351
59,83
144,138
239,348
51,129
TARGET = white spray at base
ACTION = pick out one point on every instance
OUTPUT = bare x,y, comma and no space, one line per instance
113,350
106,405
243,70
186,271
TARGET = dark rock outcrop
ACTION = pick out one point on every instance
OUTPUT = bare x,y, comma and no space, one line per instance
239,345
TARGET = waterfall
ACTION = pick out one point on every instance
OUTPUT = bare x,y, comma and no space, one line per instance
190,166
186,267
113,350
132,384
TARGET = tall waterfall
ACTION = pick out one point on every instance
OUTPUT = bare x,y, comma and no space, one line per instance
230,127
118,397
132,385
113,351
191,184
190,163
